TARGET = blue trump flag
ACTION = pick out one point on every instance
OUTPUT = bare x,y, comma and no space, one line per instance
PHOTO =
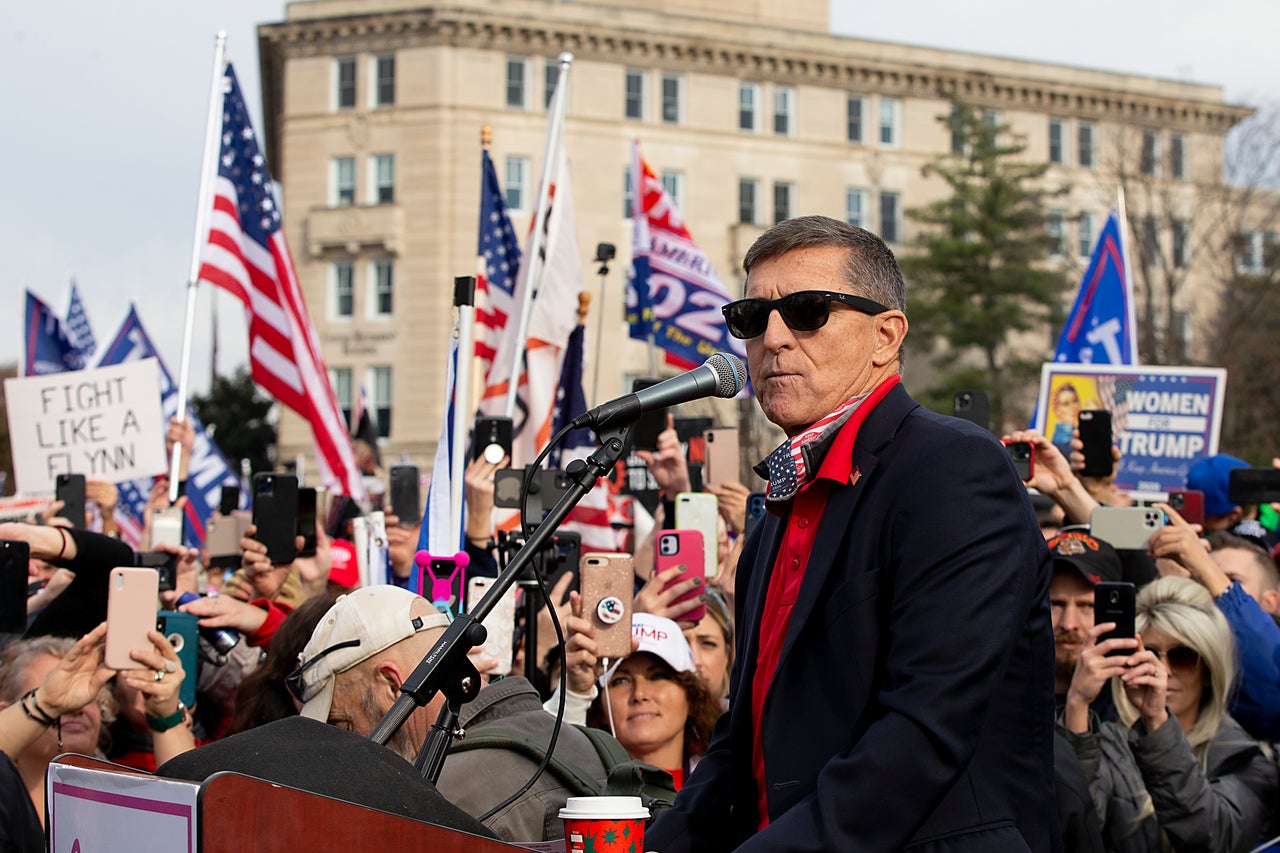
48,348
1100,328
77,325
207,469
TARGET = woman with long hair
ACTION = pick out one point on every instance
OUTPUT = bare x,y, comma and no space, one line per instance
1176,772
655,703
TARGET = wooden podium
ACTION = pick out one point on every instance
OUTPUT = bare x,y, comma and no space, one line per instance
232,814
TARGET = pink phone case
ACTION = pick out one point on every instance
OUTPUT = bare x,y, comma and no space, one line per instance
132,599
683,547
442,580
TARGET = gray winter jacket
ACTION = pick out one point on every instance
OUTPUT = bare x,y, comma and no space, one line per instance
1222,805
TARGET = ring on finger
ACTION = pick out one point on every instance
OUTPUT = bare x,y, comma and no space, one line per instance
159,674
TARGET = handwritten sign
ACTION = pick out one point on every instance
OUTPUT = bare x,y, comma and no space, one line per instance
104,423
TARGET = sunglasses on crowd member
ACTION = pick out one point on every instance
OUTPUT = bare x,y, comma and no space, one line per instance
802,311
293,681
1180,658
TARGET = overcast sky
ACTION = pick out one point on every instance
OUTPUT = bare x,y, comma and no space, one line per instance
107,105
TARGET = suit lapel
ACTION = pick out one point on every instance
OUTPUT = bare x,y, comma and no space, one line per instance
837,516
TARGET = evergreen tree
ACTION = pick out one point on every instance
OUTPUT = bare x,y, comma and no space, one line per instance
235,413
980,277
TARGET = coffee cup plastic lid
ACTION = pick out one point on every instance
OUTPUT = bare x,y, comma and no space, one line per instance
617,808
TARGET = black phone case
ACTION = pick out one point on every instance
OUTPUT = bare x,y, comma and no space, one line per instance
491,430
229,499
1114,602
647,428
69,488
307,521
275,515
1247,486
166,565
972,406
1020,454
406,500
1095,435
14,557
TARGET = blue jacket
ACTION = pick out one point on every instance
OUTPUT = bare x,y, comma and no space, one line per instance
1256,705
912,706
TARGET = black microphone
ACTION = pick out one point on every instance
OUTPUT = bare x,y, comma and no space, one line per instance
722,375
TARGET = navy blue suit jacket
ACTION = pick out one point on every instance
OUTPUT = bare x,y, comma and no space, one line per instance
912,707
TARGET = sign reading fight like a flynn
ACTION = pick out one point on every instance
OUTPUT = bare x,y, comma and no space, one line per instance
102,423
1163,419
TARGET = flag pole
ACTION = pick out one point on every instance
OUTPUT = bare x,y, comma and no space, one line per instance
1123,216
212,130
464,297
537,242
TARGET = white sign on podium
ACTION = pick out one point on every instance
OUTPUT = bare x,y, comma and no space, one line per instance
92,810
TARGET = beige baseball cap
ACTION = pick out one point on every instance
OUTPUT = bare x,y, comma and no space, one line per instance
357,627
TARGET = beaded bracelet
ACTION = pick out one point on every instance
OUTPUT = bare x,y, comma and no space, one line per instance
34,711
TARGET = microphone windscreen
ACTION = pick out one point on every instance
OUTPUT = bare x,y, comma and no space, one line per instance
731,374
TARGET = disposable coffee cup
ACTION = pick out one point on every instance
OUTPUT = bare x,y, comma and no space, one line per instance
604,824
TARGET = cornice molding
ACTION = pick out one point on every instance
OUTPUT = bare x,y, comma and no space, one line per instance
488,30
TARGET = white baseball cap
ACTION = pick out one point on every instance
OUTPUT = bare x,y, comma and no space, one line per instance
357,627
659,636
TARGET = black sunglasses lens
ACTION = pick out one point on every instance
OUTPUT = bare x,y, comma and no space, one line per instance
1181,657
805,311
747,318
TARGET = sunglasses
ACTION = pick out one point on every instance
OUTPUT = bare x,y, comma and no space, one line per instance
1178,657
802,311
293,681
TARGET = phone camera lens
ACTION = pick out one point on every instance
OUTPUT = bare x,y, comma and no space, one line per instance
1115,598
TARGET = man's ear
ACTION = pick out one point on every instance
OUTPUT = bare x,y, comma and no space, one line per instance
388,677
891,331
1270,601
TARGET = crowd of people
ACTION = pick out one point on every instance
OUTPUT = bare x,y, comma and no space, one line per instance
870,669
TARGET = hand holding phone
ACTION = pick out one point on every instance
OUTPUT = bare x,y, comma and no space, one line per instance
607,582
132,595
1126,527
70,489
1114,602
683,548
1023,456
1095,434
14,558
499,626
275,515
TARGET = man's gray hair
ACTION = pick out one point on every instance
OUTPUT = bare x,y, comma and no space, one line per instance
871,269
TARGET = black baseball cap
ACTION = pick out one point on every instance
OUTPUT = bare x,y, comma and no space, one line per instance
1093,559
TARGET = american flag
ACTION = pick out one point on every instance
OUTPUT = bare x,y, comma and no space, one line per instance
246,255
499,260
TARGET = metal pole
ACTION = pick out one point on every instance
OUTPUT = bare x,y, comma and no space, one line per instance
213,129
464,296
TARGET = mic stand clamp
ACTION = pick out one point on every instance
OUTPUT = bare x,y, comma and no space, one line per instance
446,666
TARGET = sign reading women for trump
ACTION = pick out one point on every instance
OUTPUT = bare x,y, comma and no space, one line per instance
1163,419
102,423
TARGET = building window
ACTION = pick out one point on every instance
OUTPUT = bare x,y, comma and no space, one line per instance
854,121
381,272
956,123
1058,141
783,105
515,82
855,207
345,83
748,190
890,213
340,379
381,402
1151,241
635,94
1084,144
344,182
749,106
1178,156
517,183
382,178
552,76
384,81
1084,235
1057,225
781,200
671,87
343,290
1180,256
1249,244
673,184
1150,160
890,114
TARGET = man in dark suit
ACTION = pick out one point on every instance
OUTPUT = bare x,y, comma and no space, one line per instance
894,682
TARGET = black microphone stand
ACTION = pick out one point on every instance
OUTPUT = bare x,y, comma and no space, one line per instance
446,667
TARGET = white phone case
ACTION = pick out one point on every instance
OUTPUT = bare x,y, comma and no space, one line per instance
500,625
698,511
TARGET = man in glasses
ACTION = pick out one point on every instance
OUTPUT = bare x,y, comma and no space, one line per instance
350,673
893,683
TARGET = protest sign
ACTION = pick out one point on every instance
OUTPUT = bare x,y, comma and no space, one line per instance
1163,419
102,423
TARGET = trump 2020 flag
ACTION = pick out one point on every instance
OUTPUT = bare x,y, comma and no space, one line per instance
79,332
1101,327
674,296
49,349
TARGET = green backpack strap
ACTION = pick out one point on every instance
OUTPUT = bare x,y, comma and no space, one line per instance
630,778
582,784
